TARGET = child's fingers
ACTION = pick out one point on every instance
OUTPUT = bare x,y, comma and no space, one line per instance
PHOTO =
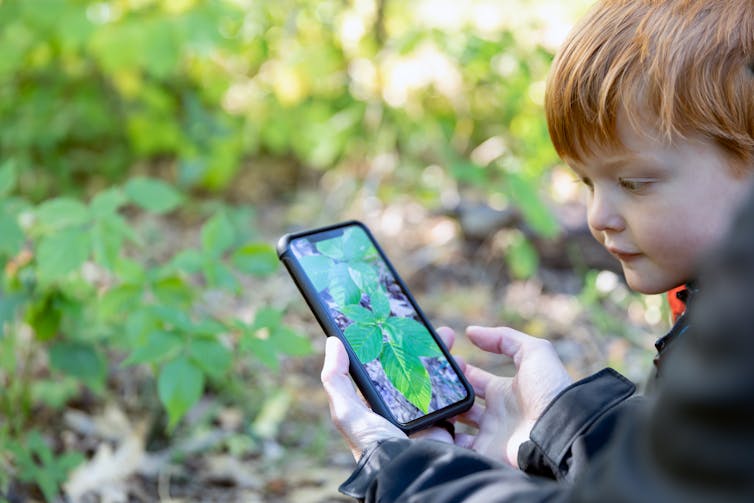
336,381
479,379
464,440
500,340
473,416
505,341
447,335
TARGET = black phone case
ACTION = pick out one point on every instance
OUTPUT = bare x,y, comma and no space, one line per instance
358,372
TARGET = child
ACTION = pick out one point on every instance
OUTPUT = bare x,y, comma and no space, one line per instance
651,103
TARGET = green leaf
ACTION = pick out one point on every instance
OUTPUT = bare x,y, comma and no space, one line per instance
406,372
12,236
173,291
218,275
119,301
55,393
363,275
522,257
267,317
218,235
107,241
356,245
107,202
211,356
379,301
153,195
160,345
179,386
317,269
257,259
523,191
413,336
44,317
359,314
37,463
61,213
342,288
173,317
190,261
332,248
8,177
290,342
365,340
262,349
79,360
62,253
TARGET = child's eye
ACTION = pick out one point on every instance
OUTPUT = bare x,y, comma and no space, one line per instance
634,184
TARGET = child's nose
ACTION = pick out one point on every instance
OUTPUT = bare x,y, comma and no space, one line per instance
603,215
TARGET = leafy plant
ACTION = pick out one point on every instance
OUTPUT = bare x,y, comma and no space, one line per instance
36,462
80,279
347,268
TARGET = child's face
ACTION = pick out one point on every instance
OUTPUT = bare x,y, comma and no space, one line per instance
659,207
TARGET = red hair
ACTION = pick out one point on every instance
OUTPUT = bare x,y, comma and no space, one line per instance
688,65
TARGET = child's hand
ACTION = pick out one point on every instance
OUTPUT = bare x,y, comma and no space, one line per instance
511,404
361,427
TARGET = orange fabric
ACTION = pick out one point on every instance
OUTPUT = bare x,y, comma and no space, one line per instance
677,306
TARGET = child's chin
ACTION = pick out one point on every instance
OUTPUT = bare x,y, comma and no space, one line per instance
646,286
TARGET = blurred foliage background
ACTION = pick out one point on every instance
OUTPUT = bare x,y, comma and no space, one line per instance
151,151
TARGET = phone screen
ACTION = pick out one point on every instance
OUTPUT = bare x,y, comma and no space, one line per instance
378,320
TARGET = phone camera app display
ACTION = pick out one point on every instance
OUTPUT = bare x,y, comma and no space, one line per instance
403,361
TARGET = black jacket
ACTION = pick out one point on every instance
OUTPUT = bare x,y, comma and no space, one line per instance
691,439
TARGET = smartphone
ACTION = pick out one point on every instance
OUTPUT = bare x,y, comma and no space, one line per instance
397,360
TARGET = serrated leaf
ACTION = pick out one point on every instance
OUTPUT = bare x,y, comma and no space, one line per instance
332,248
60,213
363,275
211,356
406,372
62,253
356,245
341,287
365,340
317,269
218,235
159,346
179,386
257,259
79,360
359,314
413,336
153,195
379,301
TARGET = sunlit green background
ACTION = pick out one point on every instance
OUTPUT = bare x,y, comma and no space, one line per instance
178,138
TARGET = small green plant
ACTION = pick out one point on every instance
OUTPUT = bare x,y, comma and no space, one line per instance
36,462
348,269
82,284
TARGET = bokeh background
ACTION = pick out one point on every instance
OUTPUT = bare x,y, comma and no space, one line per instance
152,152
